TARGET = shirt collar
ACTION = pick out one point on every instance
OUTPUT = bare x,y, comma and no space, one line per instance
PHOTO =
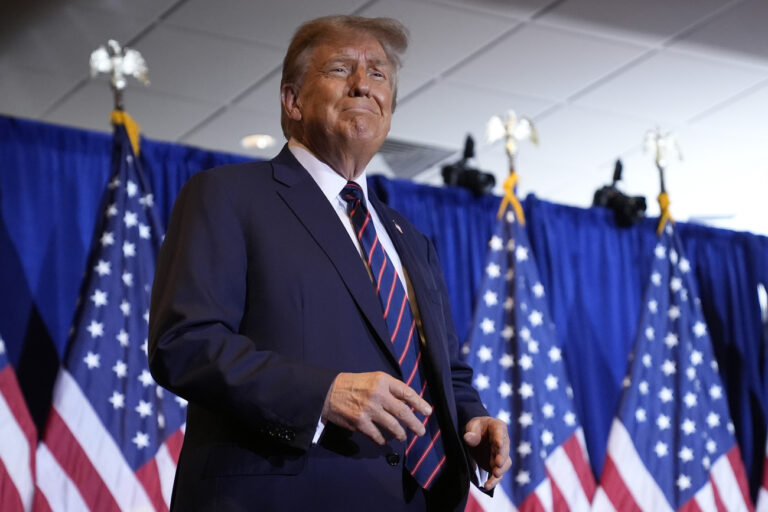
330,182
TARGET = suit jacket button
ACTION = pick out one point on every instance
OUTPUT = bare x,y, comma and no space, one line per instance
393,459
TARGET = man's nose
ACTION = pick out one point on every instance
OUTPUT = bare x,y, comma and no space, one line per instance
359,83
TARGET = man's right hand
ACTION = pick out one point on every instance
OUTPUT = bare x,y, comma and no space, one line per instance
370,402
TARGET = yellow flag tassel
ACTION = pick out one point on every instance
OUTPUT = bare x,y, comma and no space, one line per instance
511,198
665,216
121,117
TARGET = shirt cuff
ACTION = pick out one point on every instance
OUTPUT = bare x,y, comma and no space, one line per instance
318,431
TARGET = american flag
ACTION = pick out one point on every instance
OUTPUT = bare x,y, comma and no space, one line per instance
521,378
672,446
113,436
18,439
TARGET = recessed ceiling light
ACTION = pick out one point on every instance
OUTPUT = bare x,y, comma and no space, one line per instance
257,141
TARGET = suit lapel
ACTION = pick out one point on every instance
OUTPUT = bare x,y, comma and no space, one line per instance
307,202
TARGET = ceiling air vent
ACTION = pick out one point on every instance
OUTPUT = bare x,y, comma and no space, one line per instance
406,159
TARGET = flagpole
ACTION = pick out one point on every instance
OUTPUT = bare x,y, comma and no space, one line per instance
664,147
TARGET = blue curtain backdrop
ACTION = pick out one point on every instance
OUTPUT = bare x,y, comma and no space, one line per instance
51,184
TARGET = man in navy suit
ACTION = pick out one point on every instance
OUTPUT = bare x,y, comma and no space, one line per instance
266,316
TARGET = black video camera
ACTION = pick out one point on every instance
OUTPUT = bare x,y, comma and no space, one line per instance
627,210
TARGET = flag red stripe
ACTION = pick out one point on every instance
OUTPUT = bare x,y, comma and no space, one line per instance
690,506
473,505
716,493
149,476
18,407
173,444
558,500
40,503
572,448
9,494
69,454
615,489
734,457
531,504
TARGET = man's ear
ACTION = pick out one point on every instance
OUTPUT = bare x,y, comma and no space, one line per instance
289,95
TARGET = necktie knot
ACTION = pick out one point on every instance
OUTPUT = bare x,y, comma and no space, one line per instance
352,193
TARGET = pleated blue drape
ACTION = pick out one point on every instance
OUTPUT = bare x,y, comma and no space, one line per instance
52,180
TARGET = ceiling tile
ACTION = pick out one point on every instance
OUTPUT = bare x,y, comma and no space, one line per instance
444,113
161,116
648,22
516,9
202,66
264,98
436,46
225,131
739,33
671,87
27,93
59,39
272,23
741,119
143,10
546,62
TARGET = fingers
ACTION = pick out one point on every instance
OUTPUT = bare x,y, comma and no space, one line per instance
406,393
495,477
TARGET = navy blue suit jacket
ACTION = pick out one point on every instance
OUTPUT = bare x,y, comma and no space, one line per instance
260,299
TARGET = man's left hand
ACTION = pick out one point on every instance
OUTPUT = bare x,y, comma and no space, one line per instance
488,443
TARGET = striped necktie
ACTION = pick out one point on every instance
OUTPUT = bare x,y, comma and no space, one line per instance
424,456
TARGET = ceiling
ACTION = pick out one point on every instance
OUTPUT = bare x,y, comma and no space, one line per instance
594,75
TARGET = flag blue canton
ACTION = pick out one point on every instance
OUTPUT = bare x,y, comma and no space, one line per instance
674,407
107,347
519,370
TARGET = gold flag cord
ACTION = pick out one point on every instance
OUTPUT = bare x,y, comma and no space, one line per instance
510,198
131,126
665,216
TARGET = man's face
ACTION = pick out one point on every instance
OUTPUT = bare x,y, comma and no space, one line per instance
346,97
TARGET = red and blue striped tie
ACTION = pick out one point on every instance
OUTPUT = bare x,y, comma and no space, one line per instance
424,456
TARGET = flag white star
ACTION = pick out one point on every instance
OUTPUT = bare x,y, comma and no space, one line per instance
504,416
526,390
487,326
491,298
548,410
665,395
95,328
144,408
653,306
533,347
145,346
144,231
120,369
145,378
551,382
705,462
683,482
117,400
504,389
690,372
521,253
129,249
493,270
699,329
107,239
111,210
485,353
182,403
554,354
482,382
524,448
535,318
670,340
643,387
103,268
127,278
141,440
507,332
507,361
690,399
650,333
646,360
696,358
668,367
675,284
684,266
131,188
160,419
130,219
660,251
688,427
685,454
525,419
114,183
525,334
640,415
525,362
711,446
713,419
99,298
547,438
662,422
522,477
147,200
715,392
538,290
92,360
125,307
495,243
569,418
122,337
660,449
673,256
656,278
673,313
